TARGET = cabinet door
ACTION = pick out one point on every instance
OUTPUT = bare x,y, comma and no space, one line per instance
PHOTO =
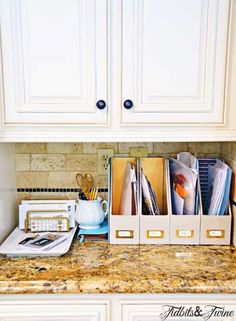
53,312
174,61
54,55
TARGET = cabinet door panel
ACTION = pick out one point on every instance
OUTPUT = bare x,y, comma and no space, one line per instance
54,312
54,60
173,60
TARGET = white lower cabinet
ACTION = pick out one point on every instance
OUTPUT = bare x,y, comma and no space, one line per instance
65,310
118,307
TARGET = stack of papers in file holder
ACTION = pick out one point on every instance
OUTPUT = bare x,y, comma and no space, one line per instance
215,225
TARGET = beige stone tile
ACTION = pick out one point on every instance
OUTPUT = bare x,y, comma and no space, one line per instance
71,195
47,162
21,196
233,187
91,148
31,148
81,163
209,148
22,162
64,148
170,148
118,155
102,180
113,146
233,150
77,148
194,148
67,179
226,149
62,180
138,152
31,179
124,147
47,195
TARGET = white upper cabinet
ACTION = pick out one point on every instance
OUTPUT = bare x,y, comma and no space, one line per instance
54,56
174,61
162,70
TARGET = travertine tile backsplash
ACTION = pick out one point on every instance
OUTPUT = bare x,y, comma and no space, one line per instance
55,165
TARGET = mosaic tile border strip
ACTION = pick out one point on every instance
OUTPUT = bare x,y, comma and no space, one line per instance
53,190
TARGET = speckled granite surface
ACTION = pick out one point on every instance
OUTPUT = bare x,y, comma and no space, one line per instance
97,267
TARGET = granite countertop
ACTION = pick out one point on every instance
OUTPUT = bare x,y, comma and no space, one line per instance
98,267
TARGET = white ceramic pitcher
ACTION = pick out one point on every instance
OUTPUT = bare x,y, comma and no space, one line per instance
90,214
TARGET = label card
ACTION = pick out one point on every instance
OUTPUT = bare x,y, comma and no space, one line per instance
215,233
155,234
185,233
125,234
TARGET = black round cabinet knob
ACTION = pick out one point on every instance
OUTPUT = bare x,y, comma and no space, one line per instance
101,104
128,104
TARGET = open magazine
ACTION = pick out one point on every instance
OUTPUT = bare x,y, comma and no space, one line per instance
183,180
